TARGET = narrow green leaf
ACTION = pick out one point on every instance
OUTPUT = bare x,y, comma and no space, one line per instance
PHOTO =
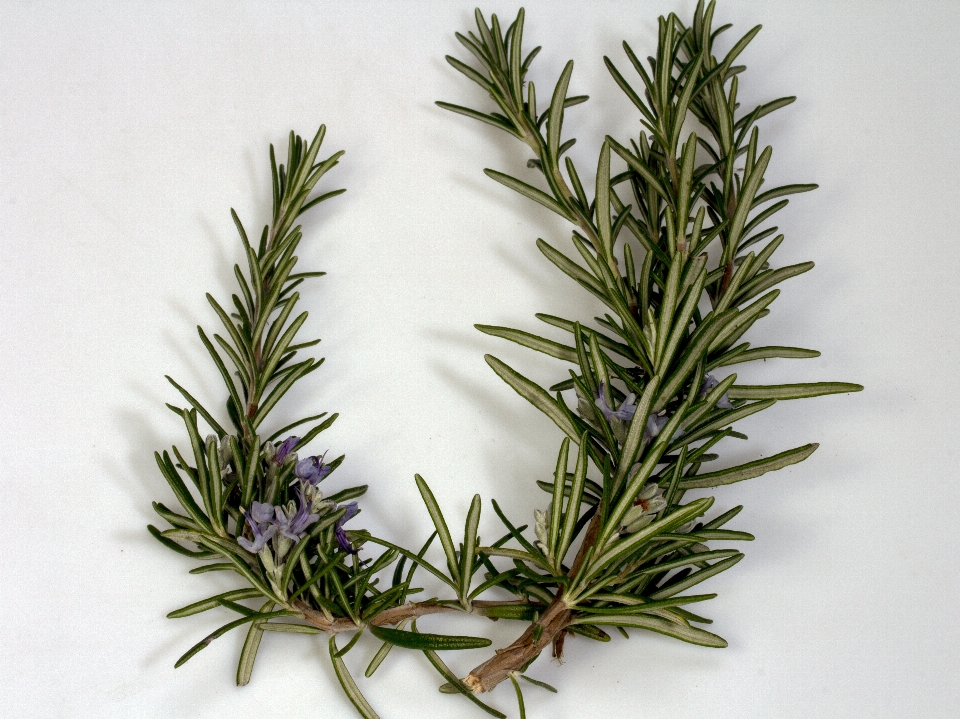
763,110
549,347
573,504
602,205
469,550
284,430
303,369
529,192
181,492
516,554
758,353
589,631
452,678
767,279
661,626
750,469
482,117
380,655
638,166
421,642
289,628
704,336
555,114
535,395
516,687
248,655
556,506
214,425
697,577
419,560
745,201
621,548
634,439
170,544
443,532
206,641
636,605
349,686
792,391
216,567
542,685
782,191
574,271
689,559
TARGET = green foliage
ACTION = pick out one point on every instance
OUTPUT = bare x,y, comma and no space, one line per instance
670,244
663,245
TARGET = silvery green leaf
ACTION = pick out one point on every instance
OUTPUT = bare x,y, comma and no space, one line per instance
248,655
661,626
792,391
534,394
348,684
549,347
750,469
529,192
420,641
443,532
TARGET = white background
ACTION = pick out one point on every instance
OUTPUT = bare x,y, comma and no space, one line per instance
128,130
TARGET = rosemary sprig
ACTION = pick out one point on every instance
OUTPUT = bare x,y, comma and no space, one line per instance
254,507
646,408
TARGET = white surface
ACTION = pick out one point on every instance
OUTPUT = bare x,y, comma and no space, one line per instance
128,130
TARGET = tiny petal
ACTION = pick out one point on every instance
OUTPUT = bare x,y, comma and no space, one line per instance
654,424
312,469
339,532
343,542
261,512
285,448
625,412
250,546
709,382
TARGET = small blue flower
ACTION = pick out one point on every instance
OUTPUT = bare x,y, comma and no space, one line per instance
286,448
709,382
625,412
338,528
295,526
261,512
258,518
312,470
655,423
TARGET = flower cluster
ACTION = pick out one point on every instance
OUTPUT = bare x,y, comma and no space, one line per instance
289,523
620,417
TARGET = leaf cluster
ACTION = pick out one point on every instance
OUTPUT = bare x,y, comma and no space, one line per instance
670,244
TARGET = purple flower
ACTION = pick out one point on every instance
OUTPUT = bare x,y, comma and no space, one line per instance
654,424
709,382
263,530
624,413
261,512
338,528
295,526
312,470
286,448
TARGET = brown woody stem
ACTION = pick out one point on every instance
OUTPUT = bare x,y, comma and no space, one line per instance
537,636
